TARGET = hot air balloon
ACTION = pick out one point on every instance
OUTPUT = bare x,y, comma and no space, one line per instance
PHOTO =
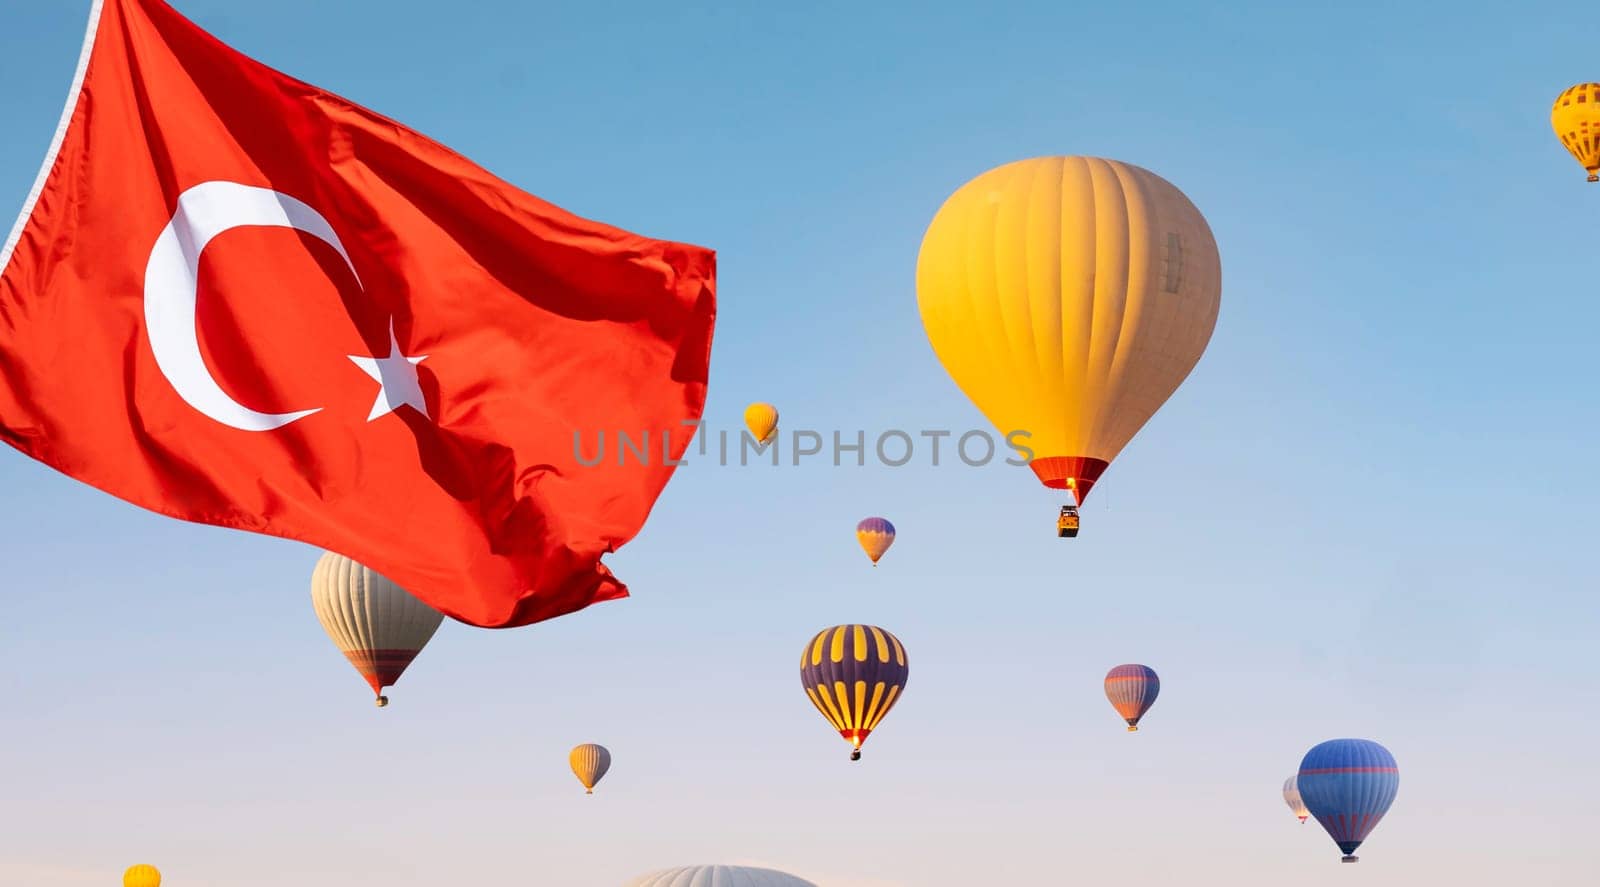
141,876
1348,784
875,535
1069,297
762,420
718,876
1576,120
589,763
854,674
377,625
1132,689
1291,796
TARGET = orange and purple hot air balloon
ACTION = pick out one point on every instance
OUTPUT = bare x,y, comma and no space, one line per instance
1132,689
875,534
854,674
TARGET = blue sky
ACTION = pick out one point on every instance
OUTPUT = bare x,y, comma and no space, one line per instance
1367,513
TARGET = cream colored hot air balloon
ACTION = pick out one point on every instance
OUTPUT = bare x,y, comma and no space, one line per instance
589,763
718,876
141,876
1576,120
762,420
1291,796
1069,297
377,625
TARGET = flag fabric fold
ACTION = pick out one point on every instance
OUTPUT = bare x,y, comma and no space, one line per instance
237,299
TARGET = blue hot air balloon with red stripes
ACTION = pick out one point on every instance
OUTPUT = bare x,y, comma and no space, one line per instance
1348,784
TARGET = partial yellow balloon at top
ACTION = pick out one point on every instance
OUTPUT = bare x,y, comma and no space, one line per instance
762,420
1576,120
141,876
1069,297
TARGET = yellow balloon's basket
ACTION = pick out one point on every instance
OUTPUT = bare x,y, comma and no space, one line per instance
1067,523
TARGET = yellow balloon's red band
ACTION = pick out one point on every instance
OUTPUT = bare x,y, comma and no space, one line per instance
1076,473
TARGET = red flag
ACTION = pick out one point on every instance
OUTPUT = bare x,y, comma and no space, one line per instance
237,299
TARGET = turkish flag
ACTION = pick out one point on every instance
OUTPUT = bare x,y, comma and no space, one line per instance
237,299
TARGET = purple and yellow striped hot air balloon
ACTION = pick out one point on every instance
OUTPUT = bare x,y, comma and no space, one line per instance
1132,689
854,674
875,534
1348,785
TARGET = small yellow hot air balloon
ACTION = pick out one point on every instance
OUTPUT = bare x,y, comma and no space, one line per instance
141,876
589,763
762,420
1069,297
1576,120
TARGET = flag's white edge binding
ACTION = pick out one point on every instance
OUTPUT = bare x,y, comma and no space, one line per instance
60,136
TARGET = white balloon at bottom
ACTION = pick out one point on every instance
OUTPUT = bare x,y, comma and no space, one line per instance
718,876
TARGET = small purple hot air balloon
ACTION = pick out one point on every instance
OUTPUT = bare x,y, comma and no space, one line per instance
1132,689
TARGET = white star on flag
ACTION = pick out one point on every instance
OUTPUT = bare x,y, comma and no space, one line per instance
396,376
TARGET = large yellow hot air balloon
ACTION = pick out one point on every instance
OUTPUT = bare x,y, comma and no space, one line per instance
762,420
1576,120
141,876
1069,297
377,625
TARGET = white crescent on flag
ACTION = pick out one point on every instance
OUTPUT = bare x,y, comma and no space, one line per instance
171,281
